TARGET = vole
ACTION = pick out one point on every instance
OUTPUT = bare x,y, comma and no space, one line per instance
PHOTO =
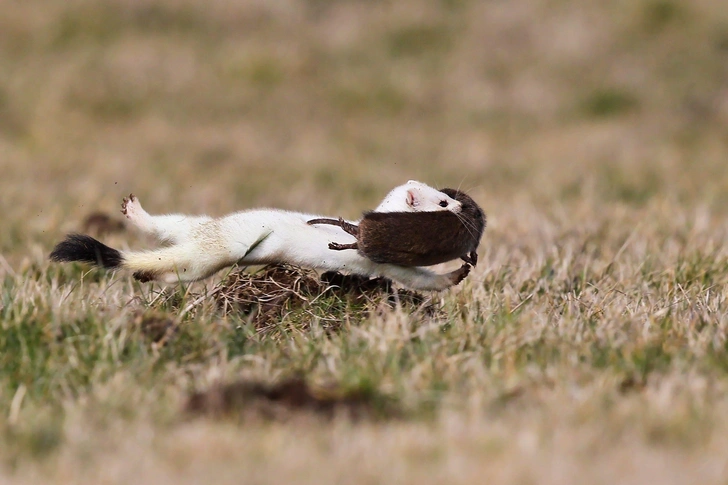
416,238
200,246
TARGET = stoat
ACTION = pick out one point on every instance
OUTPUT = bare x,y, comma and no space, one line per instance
419,238
200,246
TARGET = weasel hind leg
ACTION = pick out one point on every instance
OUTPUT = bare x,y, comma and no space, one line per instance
174,228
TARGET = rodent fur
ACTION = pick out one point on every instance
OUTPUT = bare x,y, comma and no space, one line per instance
417,238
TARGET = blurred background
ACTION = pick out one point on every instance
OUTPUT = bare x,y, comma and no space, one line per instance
322,106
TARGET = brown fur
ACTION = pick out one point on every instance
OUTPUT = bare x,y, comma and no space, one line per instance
417,238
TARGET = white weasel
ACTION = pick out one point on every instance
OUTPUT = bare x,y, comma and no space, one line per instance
413,196
201,246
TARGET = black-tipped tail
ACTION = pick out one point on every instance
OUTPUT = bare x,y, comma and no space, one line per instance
78,247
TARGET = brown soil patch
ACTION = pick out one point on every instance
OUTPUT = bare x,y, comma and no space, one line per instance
285,400
101,223
157,327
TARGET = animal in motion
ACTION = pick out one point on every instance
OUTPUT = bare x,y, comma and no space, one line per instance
200,246
416,238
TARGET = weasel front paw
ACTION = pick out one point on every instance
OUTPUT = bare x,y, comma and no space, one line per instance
459,274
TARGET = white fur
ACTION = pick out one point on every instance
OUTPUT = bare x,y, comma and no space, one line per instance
415,196
201,246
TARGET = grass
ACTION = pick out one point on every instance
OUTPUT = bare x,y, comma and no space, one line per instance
589,344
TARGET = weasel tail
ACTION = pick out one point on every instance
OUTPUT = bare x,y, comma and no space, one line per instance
77,247
181,262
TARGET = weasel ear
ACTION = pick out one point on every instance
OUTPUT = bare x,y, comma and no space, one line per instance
412,199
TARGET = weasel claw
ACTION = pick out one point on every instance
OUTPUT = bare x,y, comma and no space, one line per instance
125,201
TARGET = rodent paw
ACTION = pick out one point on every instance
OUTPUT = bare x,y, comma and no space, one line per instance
341,247
471,258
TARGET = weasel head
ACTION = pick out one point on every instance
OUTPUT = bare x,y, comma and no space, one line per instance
418,197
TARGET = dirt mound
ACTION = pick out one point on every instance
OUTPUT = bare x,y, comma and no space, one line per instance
277,290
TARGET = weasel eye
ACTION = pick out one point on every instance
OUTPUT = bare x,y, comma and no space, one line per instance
443,203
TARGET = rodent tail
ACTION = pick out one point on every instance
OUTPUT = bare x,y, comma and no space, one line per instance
79,247
324,220
346,226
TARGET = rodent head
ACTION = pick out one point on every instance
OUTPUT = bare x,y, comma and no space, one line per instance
416,196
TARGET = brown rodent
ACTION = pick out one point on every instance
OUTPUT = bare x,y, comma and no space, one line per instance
417,238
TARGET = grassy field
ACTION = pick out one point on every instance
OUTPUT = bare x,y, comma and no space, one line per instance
588,346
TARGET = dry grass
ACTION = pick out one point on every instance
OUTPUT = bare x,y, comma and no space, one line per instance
588,346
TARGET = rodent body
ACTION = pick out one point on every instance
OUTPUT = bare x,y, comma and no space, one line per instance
417,238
